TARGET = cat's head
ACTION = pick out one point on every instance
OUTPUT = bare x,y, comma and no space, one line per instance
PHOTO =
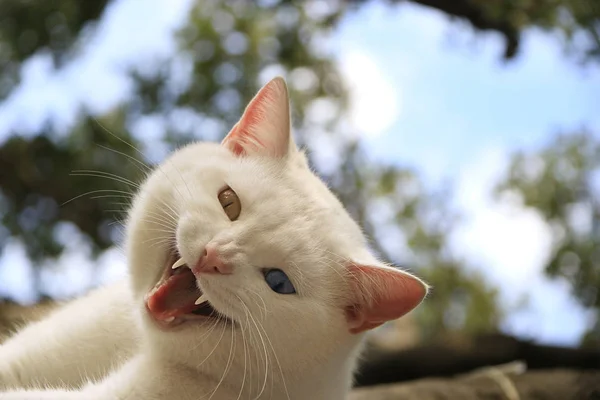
280,266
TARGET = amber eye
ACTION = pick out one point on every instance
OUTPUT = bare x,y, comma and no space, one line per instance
230,203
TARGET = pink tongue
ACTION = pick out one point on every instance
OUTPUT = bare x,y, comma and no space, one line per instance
176,296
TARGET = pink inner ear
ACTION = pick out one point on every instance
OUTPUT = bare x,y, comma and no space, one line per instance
382,294
232,142
265,125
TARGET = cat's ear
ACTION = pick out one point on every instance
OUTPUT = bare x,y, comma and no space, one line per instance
381,294
264,128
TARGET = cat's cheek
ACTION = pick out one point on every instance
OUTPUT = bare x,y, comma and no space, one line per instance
192,236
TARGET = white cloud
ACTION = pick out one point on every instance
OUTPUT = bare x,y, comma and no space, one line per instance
374,101
511,241
16,274
71,275
511,245
112,266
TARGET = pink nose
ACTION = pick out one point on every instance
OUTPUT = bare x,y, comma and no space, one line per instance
211,263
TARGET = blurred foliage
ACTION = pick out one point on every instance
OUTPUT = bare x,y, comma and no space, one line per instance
561,181
27,27
35,182
576,21
391,202
226,48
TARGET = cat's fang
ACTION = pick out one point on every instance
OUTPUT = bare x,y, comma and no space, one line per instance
178,263
170,319
200,300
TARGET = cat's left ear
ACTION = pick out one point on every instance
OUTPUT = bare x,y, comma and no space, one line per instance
264,128
381,294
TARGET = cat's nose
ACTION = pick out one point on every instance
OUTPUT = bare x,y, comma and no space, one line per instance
211,263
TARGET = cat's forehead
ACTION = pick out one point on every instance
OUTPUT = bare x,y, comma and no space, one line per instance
273,189
204,165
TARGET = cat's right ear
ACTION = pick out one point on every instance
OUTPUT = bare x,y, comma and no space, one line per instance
264,128
381,294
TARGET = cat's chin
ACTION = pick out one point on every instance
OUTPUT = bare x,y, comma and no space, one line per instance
176,299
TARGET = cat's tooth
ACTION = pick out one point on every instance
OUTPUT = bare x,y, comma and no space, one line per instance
200,300
170,319
178,264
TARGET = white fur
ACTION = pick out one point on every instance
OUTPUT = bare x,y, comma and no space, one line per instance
82,340
282,346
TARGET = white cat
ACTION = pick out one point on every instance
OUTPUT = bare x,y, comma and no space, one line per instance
249,279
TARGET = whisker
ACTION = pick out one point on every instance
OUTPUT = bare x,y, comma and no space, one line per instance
147,169
227,366
158,230
264,305
215,347
172,216
106,175
140,153
167,218
121,140
259,326
104,196
183,180
155,241
165,224
263,343
245,360
92,192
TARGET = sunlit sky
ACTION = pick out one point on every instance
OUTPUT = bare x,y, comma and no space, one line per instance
424,93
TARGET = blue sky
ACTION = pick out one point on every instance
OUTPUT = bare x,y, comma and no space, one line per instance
455,99
424,93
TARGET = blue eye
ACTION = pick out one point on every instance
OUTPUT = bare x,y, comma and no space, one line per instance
279,282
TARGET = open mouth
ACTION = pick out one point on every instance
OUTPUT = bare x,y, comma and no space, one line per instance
176,297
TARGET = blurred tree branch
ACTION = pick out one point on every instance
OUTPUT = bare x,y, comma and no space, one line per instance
479,17
492,384
50,25
453,354
512,18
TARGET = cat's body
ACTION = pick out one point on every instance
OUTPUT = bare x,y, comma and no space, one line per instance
82,340
160,381
284,281
145,378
